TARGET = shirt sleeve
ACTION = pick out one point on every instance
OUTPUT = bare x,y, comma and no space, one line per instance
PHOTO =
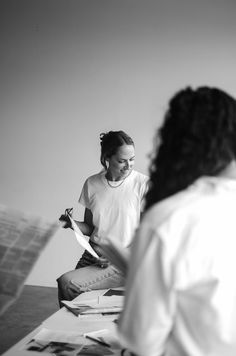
84,195
146,320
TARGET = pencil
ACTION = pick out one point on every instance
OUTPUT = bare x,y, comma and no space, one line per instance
97,340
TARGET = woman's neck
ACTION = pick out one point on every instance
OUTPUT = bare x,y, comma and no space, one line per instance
112,178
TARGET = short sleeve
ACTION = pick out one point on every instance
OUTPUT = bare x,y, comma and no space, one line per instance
84,195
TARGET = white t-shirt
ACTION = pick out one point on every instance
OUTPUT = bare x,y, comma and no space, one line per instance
116,211
181,288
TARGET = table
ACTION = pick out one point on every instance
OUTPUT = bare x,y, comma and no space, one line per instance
67,326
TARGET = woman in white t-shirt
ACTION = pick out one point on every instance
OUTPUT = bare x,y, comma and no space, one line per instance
113,200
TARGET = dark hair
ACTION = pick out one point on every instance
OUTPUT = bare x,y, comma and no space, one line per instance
110,143
198,138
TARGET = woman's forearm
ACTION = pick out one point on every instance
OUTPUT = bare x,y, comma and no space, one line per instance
85,228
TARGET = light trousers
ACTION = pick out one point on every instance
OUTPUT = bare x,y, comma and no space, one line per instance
86,278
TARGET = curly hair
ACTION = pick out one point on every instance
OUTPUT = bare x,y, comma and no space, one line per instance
197,138
110,142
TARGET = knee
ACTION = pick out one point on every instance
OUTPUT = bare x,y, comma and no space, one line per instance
63,283
63,280
67,289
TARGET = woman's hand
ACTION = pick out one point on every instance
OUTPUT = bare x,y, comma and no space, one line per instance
89,260
65,218
102,262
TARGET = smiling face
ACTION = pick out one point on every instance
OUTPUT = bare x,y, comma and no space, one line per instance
121,163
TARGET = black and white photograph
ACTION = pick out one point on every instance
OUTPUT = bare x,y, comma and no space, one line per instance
118,177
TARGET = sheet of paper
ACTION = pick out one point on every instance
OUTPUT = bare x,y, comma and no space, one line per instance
56,343
103,310
98,317
82,239
95,296
106,301
22,238
94,308
116,301
72,304
106,335
63,336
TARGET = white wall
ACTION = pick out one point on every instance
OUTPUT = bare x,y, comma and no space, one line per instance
72,69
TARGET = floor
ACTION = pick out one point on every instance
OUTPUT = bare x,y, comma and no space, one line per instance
33,306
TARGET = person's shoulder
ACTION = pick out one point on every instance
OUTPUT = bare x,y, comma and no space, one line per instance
191,201
94,178
140,176
177,205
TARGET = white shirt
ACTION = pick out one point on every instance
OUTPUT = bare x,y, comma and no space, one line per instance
181,288
116,211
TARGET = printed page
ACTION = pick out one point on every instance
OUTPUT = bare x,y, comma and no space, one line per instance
82,239
22,238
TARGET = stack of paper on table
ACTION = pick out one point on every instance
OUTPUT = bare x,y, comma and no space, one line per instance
96,330
106,301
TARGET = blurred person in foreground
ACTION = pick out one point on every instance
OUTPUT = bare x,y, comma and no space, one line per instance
181,291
